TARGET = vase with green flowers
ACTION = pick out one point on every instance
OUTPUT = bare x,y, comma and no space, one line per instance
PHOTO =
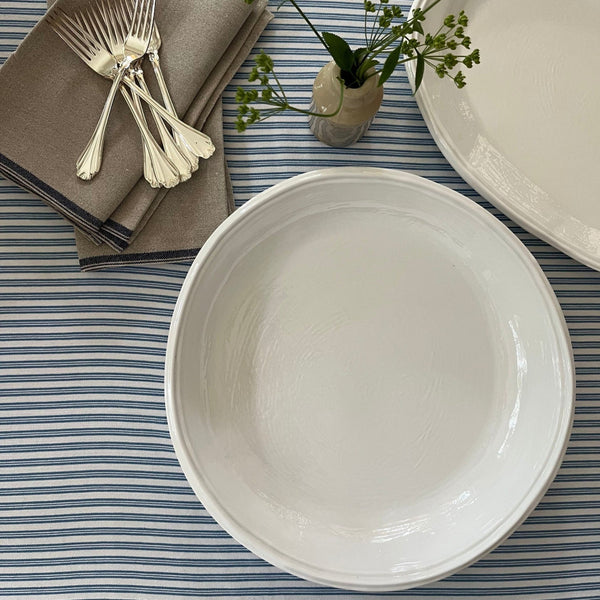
348,91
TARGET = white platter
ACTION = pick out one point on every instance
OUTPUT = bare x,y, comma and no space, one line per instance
525,131
369,380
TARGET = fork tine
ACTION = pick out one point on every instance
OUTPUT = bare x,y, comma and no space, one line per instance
86,20
82,22
104,17
77,37
98,25
123,19
143,14
120,22
129,7
70,22
108,16
59,23
66,37
143,23
135,19
149,22
85,38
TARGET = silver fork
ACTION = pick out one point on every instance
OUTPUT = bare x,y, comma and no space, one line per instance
99,21
152,51
149,171
104,63
175,149
136,43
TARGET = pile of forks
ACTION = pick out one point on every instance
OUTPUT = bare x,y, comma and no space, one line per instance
112,37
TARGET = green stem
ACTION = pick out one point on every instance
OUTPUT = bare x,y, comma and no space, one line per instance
359,72
316,114
385,42
278,95
279,86
380,35
440,57
270,113
438,31
301,12
375,22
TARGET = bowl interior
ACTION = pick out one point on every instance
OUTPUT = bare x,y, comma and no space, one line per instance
369,379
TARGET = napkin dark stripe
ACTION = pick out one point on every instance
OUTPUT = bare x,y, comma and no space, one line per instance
100,262
117,236
69,209
117,228
115,242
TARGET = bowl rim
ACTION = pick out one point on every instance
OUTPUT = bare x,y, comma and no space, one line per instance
262,548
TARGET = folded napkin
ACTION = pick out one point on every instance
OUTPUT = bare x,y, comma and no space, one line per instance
49,104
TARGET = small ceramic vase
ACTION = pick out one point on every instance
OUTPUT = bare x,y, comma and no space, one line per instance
358,108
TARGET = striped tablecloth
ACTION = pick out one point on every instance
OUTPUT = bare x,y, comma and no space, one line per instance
93,504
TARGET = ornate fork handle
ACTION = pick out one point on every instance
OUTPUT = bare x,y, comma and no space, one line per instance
170,147
199,143
162,84
165,172
90,160
149,172
168,102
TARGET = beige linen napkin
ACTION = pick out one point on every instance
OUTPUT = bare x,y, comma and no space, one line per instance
50,101
181,222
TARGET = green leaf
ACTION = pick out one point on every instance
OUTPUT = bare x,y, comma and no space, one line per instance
369,64
340,50
362,71
359,55
418,27
419,71
389,65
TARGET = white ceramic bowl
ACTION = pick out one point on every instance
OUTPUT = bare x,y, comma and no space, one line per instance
369,380
524,131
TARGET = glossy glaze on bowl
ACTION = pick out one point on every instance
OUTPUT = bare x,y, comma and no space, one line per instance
369,380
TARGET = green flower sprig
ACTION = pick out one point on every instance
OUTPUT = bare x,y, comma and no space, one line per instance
388,33
270,95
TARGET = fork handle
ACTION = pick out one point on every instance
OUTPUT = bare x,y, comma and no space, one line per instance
90,160
199,142
164,170
168,102
149,174
162,84
168,143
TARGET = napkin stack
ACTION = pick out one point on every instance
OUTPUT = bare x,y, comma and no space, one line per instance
50,102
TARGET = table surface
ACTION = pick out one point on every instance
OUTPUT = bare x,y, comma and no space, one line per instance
93,503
